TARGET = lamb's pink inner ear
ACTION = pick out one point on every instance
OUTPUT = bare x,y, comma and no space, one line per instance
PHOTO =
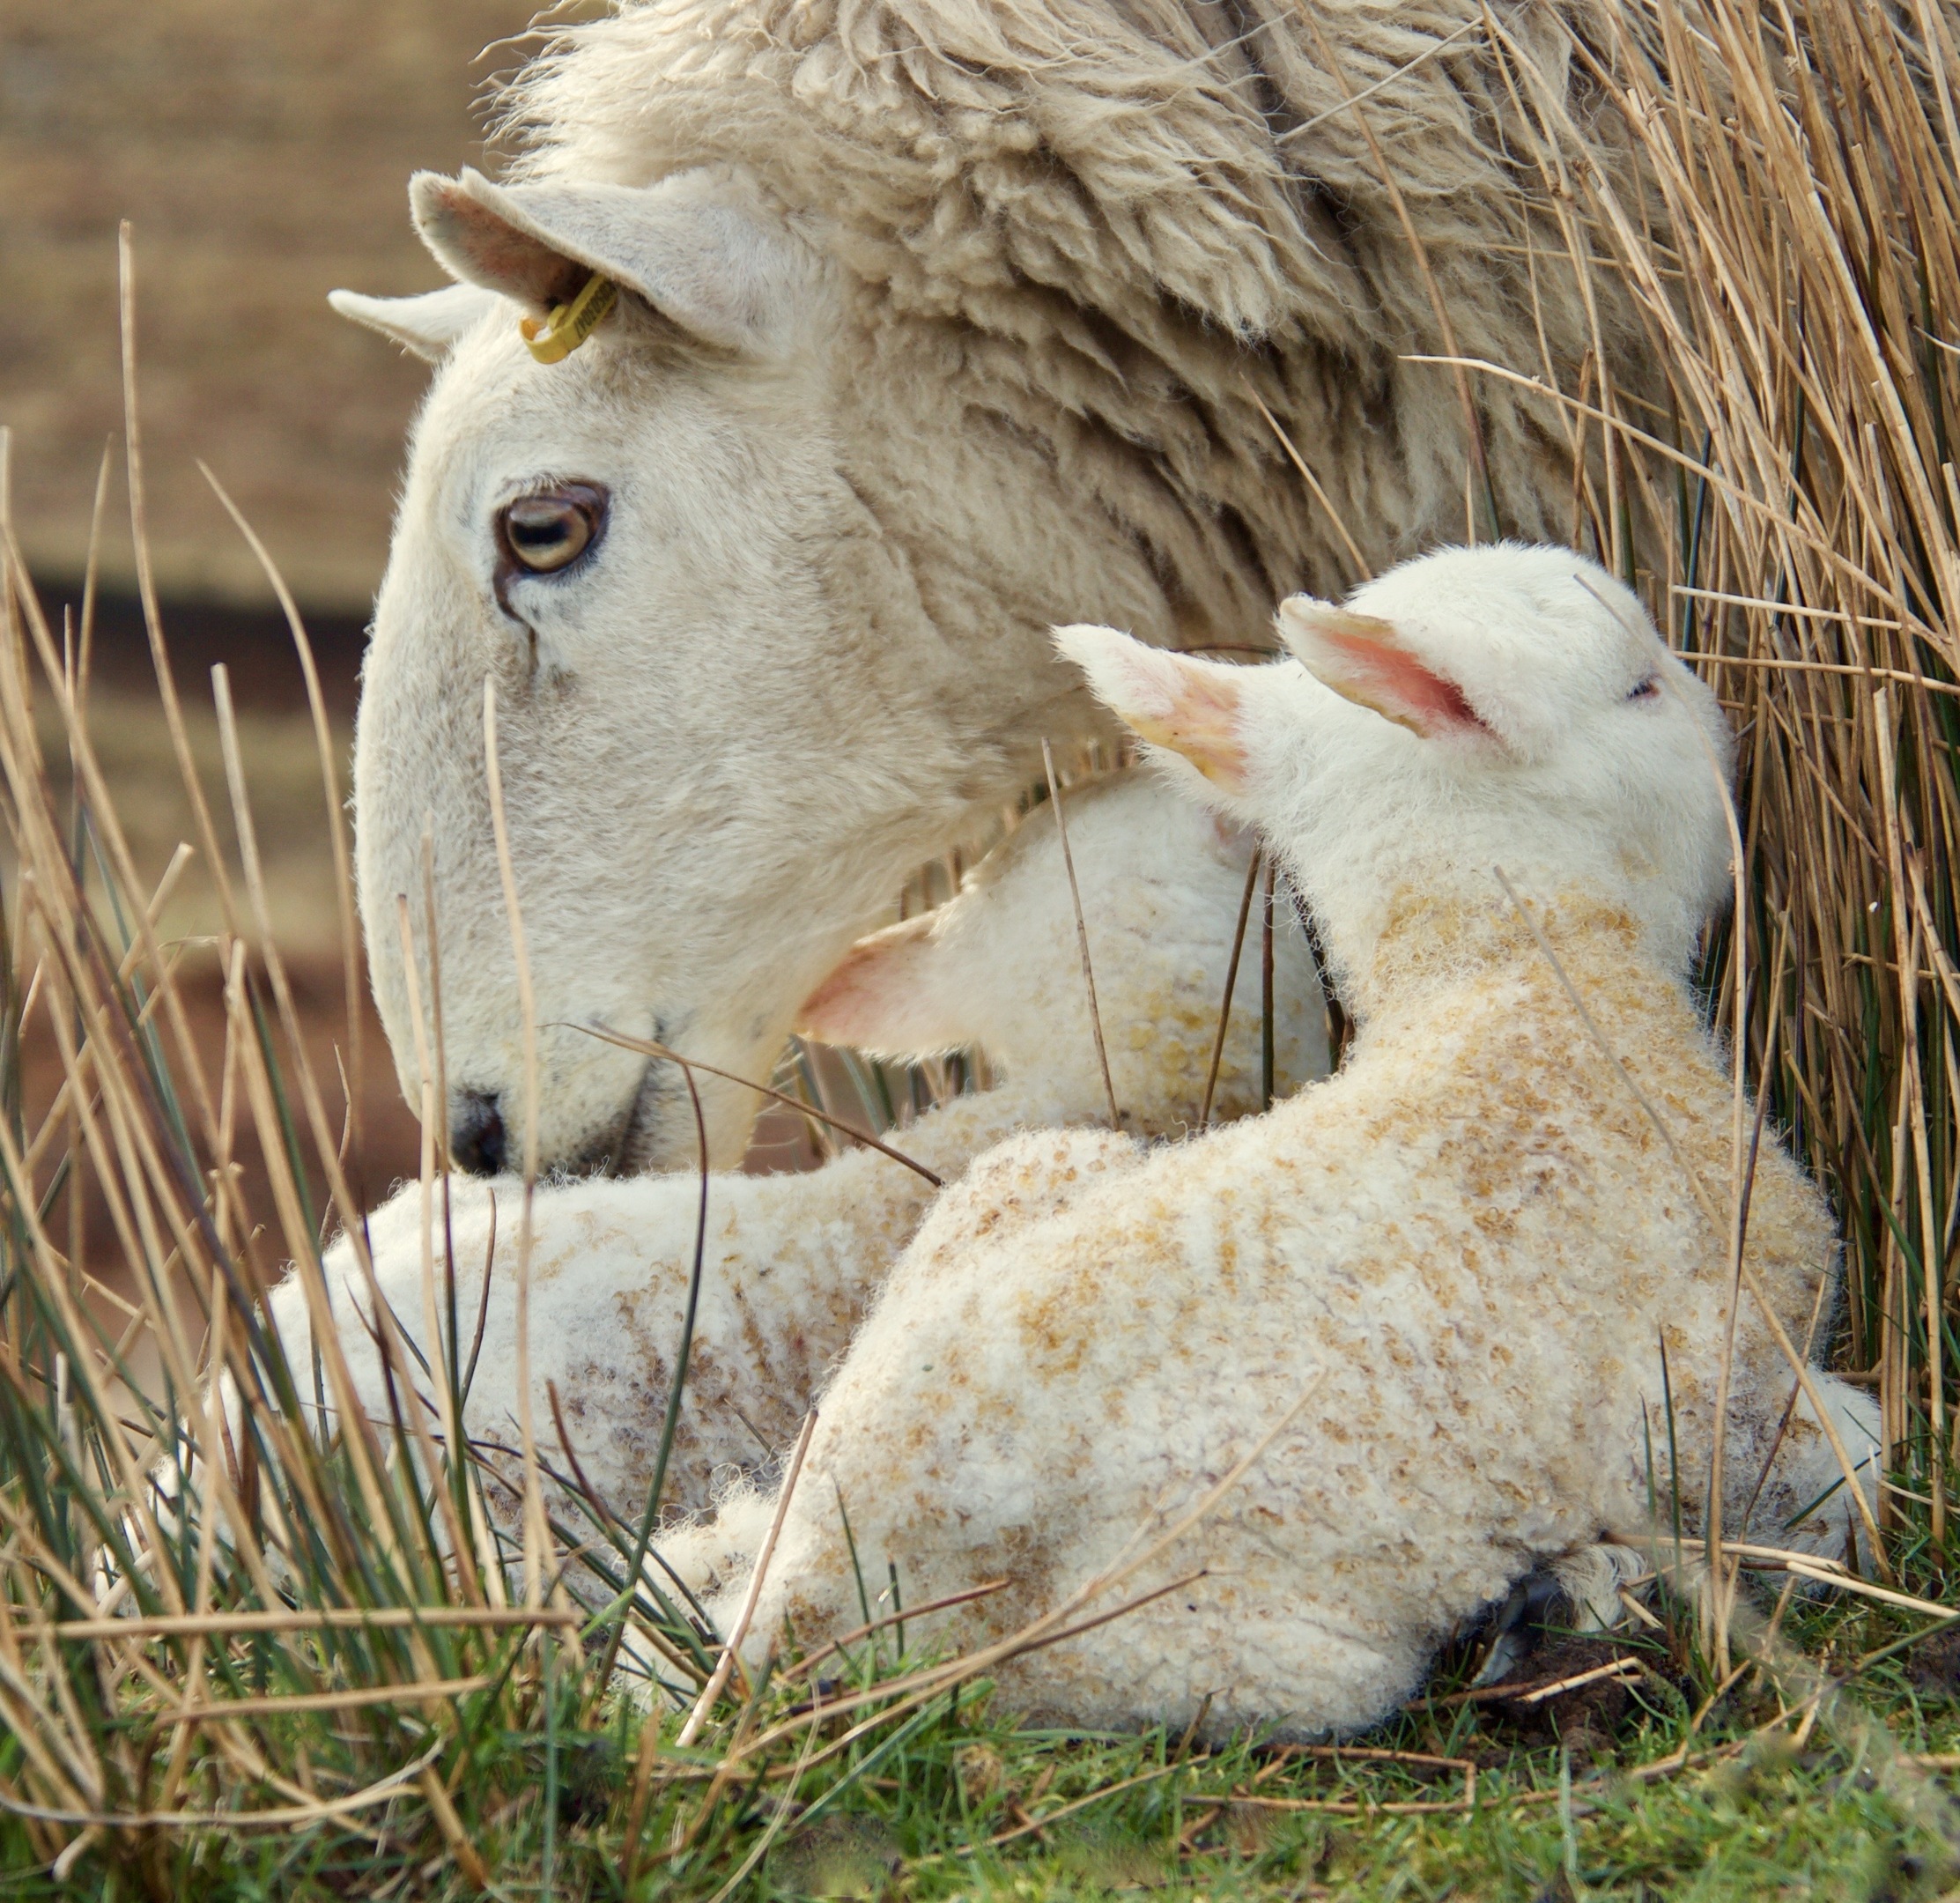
1362,659
883,997
1201,724
1192,707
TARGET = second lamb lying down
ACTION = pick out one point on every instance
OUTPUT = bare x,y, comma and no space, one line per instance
792,1261
1439,1281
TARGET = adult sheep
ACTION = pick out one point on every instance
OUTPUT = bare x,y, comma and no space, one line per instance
938,321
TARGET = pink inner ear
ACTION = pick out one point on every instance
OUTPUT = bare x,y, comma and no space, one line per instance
1401,687
842,1009
875,997
511,261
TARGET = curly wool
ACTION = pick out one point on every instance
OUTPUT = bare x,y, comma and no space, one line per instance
1462,1298
1466,1252
1121,229
792,1261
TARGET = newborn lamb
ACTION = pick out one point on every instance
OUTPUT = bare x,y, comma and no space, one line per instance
1438,1282
792,1261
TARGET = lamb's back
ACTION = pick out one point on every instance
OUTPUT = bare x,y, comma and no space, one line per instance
1462,1251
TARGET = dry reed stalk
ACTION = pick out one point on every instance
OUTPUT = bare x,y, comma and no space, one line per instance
447,1405
1231,984
731,1646
336,817
831,1648
60,887
1082,934
153,621
648,1047
537,1536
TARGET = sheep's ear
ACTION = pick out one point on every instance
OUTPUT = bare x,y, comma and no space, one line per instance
711,269
428,324
890,994
1362,659
1194,707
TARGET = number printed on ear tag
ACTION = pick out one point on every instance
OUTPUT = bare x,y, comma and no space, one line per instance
569,325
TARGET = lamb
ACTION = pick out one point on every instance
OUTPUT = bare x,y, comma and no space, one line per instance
1430,1294
792,1261
935,322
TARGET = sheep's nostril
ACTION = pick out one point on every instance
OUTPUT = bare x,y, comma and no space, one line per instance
477,1132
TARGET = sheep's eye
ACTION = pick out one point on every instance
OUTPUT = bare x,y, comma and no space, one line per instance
549,531
1649,689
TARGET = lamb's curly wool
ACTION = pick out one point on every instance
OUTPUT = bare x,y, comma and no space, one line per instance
792,1261
1461,1259
1120,228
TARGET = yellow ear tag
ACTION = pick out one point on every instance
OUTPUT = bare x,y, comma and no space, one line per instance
569,325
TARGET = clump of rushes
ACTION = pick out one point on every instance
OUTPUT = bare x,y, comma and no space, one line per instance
267,1660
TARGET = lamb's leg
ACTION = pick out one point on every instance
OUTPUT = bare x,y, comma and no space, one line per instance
1805,1485
1032,1175
714,1553
1578,1591
609,1265
1805,1505
1802,1505
973,1435
789,1266
1590,1581
793,1265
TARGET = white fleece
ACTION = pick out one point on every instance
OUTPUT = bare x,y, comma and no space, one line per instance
1443,1278
792,1261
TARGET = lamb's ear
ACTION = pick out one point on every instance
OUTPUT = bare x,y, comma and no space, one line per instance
428,324
890,994
717,272
1194,707
1362,659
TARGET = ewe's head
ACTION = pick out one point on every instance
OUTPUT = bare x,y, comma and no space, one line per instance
649,550
999,966
1499,706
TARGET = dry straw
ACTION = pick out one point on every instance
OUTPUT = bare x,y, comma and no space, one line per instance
212,1617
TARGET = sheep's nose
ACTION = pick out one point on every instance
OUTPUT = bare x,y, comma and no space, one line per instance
477,1132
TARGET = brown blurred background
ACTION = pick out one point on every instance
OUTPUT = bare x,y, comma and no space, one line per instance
262,150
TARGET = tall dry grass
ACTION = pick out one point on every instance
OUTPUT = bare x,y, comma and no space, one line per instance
208,1630
1791,515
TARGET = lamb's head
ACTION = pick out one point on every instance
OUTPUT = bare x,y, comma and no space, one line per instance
1502,705
722,712
999,966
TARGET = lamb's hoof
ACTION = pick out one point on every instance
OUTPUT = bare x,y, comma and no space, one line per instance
1518,1623
1576,1592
